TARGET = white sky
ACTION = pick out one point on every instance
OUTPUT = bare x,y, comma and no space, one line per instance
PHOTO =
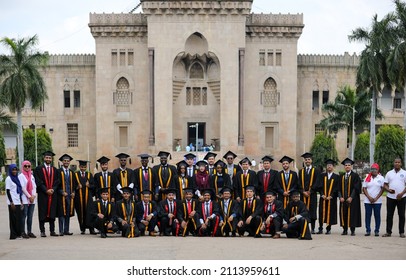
62,26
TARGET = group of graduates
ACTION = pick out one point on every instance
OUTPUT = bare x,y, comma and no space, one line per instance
203,198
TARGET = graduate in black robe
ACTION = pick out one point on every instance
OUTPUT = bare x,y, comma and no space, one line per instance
349,194
187,215
166,175
124,176
267,178
231,169
144,177
272,215
147,214
229,211
219,180
208,211
309,181
296,218
126,215
47,181
250,218
102,214
66,195
287,181
83,196
244,178
105,179
167,214
183,181
328,197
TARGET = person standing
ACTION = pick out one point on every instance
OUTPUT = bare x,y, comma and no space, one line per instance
246,177
309,184
183,181
287,181
47,181
373,189
14,192
84,196
66,195
124,176
395,181
349,195
219,180
166,175
231,169
105,179
201,180
29,198
266,178
210,157
328,197
144,177
190,162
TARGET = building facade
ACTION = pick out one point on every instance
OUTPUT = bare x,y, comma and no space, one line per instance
200,72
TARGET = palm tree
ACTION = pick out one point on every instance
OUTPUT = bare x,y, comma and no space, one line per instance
372,72
7,121
339,113
21,80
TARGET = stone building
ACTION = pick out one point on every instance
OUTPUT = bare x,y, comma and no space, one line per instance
157,74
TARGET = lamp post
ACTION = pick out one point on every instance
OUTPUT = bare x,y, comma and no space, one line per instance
32,126
353,128
197,133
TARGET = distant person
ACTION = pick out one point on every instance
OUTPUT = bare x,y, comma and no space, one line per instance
29,198
395,181
14,192
373,189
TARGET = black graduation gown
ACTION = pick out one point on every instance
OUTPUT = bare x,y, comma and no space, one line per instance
271,184
282,186
108,212
328,208
310,182
277,212
240,182
66,205
152,208
187,181
256,212
213,228
166,225
232,209
300,228
83,197
141,184
111,184
47,205
162,183
191,223
219,182
124,178
128,215
236,169
350,214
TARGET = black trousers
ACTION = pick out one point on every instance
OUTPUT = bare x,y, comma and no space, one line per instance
15,217
51,225
253,227
167,228
298,229
391,205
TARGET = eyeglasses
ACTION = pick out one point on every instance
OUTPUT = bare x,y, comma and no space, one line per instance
27,166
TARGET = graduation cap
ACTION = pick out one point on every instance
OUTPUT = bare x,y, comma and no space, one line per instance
170,190
229,153
293,193
48,153
307,155
346,161
286,158
189,156
82,162
220,162
103,190
146,192
122,155
330,161
65,156
267,158
250,188
223,190
103,159
188,190
146,156
208,191
210,154
164,154
201,162
270,193
182,163
245,160
126,190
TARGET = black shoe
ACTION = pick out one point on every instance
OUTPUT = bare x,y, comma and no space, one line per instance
376,233
60,234
313,232
366,234
352,233
92,232
344,232
24,235
233,234
68,233
328,232
103,235
320,231
31,235
257,236
43,234
53,233
82,232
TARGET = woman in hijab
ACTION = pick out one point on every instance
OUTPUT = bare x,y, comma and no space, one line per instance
14,193
373,189
28,198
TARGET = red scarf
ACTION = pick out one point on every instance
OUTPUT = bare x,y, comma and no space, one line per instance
369,176
202,180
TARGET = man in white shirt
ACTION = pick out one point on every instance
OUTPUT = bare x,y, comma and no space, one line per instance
396,197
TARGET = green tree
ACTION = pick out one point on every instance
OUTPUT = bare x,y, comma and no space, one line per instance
362,147
44,143
323,148
2,150
389,144
21,80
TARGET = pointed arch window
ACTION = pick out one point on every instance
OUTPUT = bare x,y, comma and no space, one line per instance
270,94
122,95
196,71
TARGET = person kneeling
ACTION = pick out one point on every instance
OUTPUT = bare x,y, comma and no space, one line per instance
296,223
103,214
126,218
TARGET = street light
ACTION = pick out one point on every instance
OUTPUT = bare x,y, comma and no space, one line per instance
33,127
353,128
197,133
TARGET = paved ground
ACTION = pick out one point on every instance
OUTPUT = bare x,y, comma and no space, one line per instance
90,247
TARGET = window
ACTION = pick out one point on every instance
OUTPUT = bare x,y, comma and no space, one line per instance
73,135
270,57
66,97
397,103
196,96
269,137
122,57
270,96
123,136
278,58
122,96
325,96
188,96
315,100
76,99
204,96
262,57
130,57
196,71
113,57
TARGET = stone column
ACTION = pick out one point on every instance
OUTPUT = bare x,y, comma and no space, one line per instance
151,60
241,98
